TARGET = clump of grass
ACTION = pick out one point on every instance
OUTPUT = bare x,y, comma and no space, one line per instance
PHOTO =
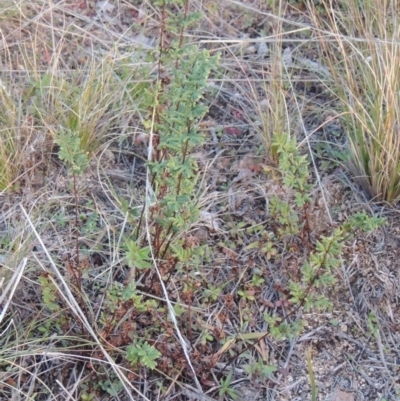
9,9
363,53
17,142
275,115
270,72
85,102
273,109
9,139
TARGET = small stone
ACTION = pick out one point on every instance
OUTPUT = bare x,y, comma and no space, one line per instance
251,50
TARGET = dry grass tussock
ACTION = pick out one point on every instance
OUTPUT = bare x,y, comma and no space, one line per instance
362,51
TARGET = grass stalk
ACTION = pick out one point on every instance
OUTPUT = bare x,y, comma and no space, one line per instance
363,61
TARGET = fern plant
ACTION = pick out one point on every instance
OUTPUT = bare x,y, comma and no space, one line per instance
175,110
289,219
77,160
71,151
317,272
173,170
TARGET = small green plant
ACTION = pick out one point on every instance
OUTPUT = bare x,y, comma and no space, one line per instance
112,387
259,370
137,257
212,292
76,160
266,244
372,324
280,328
89,222
173,170
175,110
206,337
87,396
320,257
324,254
142,353
120,297
246,294
49,293
55,318
71,152
226,390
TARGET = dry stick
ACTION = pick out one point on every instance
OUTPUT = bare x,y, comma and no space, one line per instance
77,273
76,261
79,313
14,281
189,326
68,394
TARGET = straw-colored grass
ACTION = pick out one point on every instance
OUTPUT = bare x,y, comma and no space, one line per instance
85,102
10,141
362,50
